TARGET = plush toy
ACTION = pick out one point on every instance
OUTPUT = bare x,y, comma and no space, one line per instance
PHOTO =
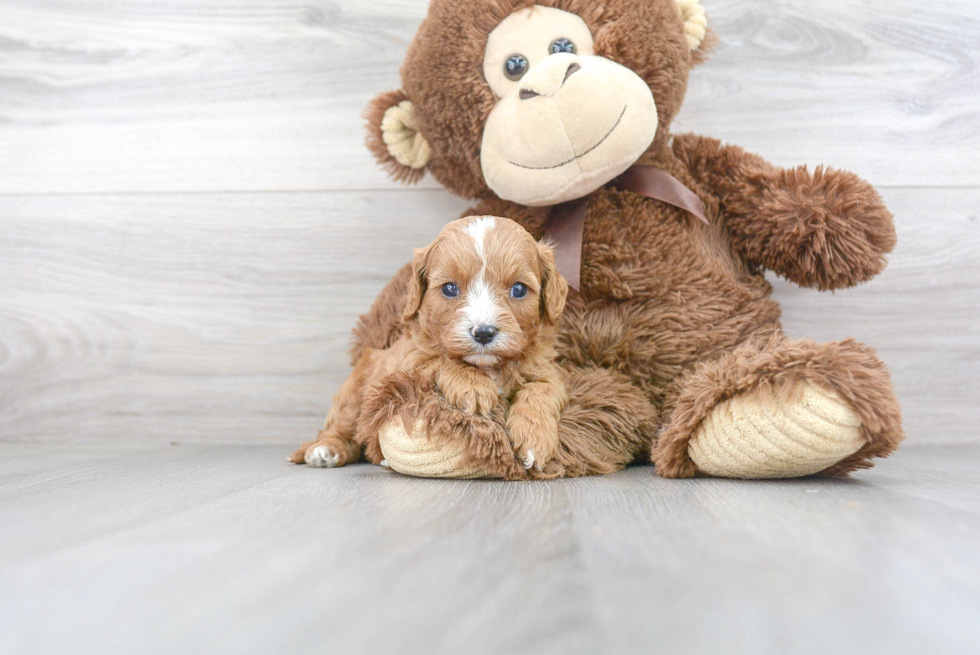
557,115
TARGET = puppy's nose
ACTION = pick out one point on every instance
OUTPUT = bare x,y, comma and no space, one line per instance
484,333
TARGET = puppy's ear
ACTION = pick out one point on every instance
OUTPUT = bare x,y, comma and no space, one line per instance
418,284
394,138
554,288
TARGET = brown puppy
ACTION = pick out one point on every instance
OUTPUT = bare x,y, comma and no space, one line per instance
480,314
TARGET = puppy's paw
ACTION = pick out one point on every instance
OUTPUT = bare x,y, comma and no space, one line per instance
320,456
298,456
474,398
535,441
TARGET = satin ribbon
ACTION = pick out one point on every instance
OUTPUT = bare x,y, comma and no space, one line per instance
566,223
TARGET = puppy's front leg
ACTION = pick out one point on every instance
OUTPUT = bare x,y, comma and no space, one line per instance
335,445
532,422
329,449
467,388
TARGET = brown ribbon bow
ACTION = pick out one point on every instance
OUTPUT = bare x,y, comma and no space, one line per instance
566,223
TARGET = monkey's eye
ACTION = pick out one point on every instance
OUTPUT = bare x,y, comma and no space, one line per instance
450,290
519,290
562,45
515,67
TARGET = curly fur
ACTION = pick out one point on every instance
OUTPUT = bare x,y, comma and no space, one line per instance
429,352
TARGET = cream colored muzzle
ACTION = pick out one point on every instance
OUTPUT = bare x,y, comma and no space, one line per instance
571,125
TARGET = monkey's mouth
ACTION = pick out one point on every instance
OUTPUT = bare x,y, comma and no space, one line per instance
569,161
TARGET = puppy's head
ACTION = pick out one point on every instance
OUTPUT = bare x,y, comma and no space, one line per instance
483,290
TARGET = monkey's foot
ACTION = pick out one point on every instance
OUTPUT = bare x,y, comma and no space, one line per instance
418,455
766,435
778,408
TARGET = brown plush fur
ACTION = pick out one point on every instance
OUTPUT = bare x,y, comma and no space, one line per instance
374,113
594,440
512,377
673,316
847,367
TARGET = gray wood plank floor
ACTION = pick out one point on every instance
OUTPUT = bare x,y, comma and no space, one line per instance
211,549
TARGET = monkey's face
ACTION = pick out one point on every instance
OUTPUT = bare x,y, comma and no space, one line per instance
537,103
566,120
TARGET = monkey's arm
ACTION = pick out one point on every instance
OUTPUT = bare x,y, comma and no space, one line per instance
827,229
382,324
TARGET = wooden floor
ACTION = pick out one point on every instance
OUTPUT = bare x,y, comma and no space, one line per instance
211,549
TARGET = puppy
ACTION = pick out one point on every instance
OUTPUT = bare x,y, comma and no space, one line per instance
480,321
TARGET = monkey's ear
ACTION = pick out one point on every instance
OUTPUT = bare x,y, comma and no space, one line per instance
554,288
394,138
418,284
695,22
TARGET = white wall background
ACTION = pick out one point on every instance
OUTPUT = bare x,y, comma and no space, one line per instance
190,224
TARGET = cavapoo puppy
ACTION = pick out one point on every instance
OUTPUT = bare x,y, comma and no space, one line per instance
481,313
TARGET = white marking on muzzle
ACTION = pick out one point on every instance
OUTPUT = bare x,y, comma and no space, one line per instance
481,306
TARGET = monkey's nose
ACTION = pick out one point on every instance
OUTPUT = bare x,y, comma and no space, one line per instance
548,81
484,333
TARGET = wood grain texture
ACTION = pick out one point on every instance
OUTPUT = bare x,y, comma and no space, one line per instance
216,95
214,317
225,318
209,549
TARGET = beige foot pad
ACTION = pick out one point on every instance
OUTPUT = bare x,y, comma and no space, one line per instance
762,436
415,454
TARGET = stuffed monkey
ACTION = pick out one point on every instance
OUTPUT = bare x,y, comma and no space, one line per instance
557,115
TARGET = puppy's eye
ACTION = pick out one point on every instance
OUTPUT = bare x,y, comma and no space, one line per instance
450,290
515,67
562,45
519,290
